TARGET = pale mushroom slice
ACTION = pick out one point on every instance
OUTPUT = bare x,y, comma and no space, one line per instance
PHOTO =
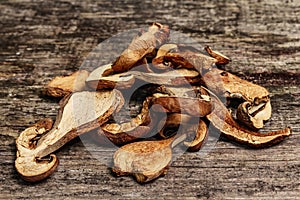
222,119
156,35
79,113
97,79
145,160
61,86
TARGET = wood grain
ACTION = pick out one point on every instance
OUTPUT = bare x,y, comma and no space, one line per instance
43,39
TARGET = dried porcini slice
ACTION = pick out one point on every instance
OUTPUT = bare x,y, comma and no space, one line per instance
199,132
255,110
222,119
37,142
97,80
188,60
28,167
61,86
156,35
145,160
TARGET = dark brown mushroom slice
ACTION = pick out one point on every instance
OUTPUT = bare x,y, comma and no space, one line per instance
61,86
145,160
156,35
257,107
199,106
222,119
221,59
79,113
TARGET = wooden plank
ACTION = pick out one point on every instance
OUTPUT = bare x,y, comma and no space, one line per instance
40,40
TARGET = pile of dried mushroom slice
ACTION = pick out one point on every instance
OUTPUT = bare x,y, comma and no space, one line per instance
185,83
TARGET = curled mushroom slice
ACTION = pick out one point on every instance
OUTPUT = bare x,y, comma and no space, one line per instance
61,86
79,113
30,168
145,160
137,127
199,132
124,80
156,35
253,116
222,119
221,59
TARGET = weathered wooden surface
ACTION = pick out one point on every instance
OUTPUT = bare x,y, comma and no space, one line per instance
40,40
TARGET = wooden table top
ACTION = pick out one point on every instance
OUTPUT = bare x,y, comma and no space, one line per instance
43,39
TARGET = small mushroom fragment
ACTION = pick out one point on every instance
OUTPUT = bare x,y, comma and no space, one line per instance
74,118
253,116
222,119
145,160
61,86
256,108
96,80
156,35
221,59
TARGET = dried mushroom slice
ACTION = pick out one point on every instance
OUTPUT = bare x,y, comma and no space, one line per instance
222,119
79,113
225,83
145,160
156,35
28,167
257,107
199,132
96,80
187,60
61,86
198,106
169,125
103,78
253,116
221,59
137,127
